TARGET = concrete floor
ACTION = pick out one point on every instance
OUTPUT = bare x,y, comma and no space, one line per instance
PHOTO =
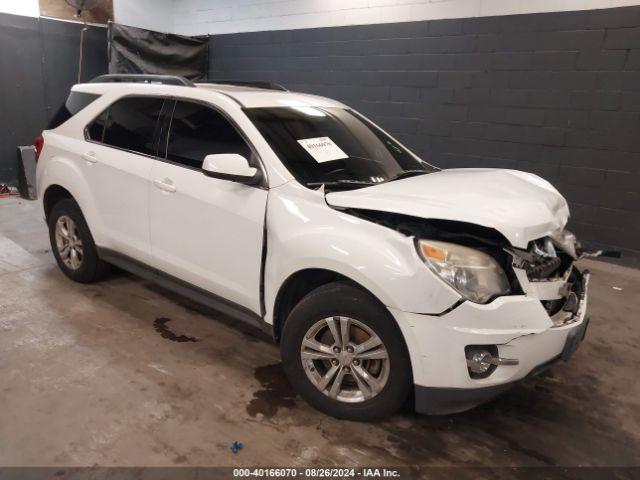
121,373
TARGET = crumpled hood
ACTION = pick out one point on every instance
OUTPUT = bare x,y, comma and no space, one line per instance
521,206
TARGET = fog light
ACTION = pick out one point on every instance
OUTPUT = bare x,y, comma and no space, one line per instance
480,362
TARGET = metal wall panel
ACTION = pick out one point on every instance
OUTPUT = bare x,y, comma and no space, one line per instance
38,61
60,50
22,109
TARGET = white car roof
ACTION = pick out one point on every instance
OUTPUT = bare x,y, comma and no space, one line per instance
246,96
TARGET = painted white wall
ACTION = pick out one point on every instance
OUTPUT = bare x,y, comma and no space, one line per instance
196,17
150,14
28,8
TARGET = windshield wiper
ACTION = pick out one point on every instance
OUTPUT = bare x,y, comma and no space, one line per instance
342,183
407,174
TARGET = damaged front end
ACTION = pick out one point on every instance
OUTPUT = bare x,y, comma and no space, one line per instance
544,271
480,347
547,272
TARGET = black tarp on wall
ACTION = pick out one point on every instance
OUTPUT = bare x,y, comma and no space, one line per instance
136,50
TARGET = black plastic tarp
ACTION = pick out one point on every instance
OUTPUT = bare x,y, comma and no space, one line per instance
136,50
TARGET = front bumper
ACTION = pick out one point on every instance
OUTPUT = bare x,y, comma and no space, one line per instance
443,401
518,326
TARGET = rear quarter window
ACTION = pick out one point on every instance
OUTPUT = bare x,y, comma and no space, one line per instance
75,102
128,124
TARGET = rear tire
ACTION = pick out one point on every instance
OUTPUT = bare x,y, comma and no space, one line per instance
72,243
372,368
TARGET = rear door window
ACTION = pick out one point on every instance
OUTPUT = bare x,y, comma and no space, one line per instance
197,131
129,124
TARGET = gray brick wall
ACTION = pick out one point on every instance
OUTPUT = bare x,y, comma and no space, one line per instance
556,94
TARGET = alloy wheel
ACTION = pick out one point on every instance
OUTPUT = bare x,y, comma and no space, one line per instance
68,242
345,359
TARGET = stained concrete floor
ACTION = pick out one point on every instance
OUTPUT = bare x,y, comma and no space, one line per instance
122,373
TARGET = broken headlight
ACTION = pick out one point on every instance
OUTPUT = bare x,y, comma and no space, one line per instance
474,274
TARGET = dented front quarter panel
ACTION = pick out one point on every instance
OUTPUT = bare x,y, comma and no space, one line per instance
305,233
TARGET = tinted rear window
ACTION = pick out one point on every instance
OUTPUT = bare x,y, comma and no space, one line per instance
129,123
75,102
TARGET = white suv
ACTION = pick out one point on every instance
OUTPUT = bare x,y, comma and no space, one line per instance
379,275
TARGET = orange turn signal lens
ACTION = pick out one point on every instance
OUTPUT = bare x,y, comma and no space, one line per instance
429,251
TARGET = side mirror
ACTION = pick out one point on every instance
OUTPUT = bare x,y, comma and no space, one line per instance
230,166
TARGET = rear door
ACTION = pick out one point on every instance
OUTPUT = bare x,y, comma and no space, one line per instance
206,231
120,150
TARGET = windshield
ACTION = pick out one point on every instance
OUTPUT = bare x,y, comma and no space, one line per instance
334,147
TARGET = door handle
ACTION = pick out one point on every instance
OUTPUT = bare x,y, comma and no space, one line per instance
90,157
166,185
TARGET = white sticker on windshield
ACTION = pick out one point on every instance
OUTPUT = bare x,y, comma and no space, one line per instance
322,149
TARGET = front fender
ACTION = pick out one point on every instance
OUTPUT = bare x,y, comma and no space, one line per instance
305,233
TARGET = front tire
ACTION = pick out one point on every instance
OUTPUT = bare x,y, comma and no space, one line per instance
343,352
72,243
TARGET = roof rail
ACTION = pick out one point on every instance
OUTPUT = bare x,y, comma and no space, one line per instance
142,78
256,84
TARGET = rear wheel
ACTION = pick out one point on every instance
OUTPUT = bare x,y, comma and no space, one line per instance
72,244
343,352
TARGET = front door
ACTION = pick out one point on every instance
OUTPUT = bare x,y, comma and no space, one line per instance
205,231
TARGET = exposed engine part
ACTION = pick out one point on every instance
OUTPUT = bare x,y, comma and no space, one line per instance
544,248
553,306
574,301
542,261
544,269
572,293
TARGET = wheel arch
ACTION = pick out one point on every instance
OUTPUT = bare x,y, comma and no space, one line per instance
52,195
299,284
58,178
